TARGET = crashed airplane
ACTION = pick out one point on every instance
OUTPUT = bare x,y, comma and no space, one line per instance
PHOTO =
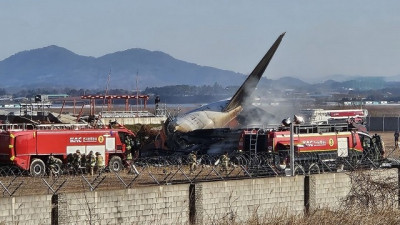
216,115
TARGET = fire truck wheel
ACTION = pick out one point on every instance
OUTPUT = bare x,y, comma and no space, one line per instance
115,164
37,167
58,167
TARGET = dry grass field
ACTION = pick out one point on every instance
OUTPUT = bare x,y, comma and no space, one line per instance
388,139
344,216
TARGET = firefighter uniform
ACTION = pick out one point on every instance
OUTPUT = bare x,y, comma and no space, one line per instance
224,162
192,158
91,160
99,162
77,160
128,147
52,164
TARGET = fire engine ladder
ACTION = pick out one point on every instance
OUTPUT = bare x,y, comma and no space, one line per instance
253,143
75,126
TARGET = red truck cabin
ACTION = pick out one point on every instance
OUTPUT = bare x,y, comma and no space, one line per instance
18,147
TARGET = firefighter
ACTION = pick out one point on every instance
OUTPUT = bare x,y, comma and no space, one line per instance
99,162
396,139
70,160
51,161
77,160
379,151
192,158
137,147
91,162
366,143
128,147
224,162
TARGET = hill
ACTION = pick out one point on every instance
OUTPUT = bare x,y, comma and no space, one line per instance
54,66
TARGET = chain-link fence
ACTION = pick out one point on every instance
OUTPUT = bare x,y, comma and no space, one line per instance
173,170
384,123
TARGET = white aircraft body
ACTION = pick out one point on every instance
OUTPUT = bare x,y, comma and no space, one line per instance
219,114
209,116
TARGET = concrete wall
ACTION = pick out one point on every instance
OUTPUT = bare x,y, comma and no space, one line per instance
26,210
239,200
330,189
144,205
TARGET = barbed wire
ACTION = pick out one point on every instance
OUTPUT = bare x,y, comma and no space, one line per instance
174,169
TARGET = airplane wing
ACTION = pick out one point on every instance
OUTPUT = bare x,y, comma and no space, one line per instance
252,80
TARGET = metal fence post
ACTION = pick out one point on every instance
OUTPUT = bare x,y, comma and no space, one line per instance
369,122
292,149
383,123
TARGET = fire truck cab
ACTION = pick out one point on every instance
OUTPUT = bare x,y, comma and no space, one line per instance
29,148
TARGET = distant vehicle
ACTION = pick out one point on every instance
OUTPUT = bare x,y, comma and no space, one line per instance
30,147
328,116
216,115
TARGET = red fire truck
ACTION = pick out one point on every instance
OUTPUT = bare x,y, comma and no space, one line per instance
329,116
30,147
313,145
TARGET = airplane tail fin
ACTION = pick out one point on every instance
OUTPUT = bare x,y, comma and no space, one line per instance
252,80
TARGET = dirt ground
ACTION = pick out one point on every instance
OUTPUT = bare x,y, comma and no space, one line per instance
148,176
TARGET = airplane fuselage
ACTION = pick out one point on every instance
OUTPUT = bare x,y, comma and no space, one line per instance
208,116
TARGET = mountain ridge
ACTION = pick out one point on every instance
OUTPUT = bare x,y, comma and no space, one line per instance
54,66
57,66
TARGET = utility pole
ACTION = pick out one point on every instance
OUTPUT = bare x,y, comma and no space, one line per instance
292,149
137,95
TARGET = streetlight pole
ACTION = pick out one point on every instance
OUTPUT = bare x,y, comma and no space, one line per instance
292,149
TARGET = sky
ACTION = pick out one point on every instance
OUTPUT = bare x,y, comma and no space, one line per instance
324,39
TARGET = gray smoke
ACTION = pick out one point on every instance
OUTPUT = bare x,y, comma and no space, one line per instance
263,109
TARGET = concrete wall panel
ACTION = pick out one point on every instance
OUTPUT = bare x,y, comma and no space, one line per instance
144,205
240,200
26,210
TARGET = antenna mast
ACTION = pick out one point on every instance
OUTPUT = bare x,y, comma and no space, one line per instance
106,92
104,99
137,95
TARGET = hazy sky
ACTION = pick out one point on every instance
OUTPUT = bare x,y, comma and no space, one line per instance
324,38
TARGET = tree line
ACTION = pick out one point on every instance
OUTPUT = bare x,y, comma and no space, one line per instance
172,90
183,93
